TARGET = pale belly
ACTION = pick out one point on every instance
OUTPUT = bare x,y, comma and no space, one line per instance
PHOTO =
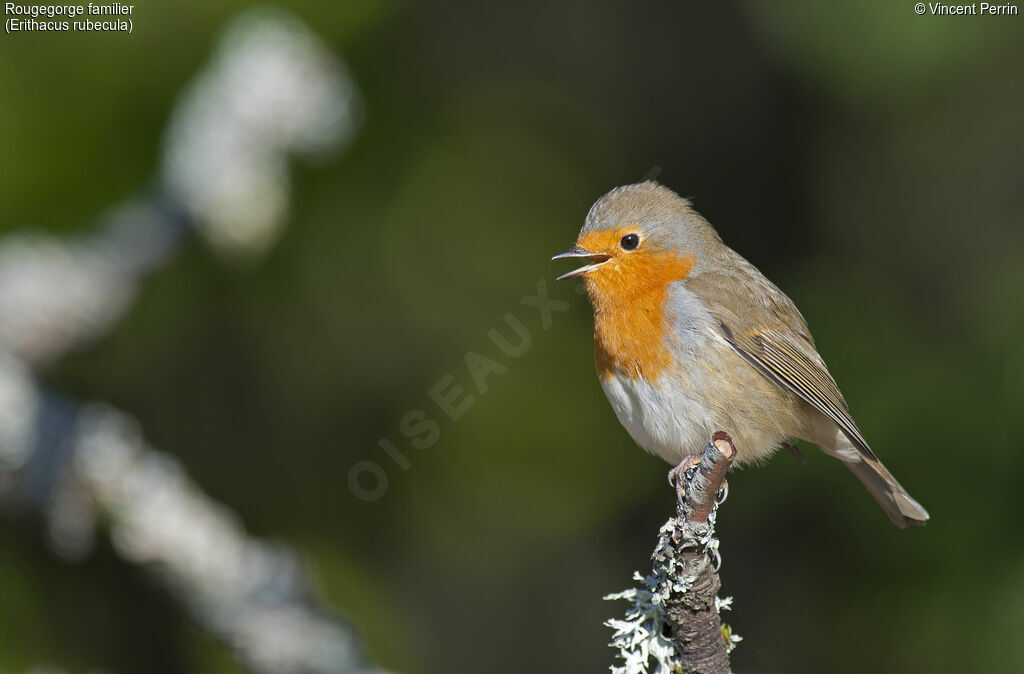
665,421
675,416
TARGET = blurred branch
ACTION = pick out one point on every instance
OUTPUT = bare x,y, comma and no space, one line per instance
675,617
271,90
74,465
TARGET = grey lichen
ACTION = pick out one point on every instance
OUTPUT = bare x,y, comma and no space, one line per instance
639,637
676,606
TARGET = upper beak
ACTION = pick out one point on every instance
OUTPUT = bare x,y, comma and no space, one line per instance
599,259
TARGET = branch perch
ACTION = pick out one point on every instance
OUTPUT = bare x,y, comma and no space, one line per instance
675,616
692,614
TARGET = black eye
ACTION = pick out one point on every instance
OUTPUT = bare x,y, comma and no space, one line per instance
629,242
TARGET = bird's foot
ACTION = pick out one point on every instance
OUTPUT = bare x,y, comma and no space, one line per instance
678,477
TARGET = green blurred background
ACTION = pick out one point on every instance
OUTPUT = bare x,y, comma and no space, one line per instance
867,159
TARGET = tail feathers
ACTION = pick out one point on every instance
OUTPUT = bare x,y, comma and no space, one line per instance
900,506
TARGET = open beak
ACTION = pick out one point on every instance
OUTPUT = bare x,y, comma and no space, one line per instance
599,259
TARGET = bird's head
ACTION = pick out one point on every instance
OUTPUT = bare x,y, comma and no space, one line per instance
638,239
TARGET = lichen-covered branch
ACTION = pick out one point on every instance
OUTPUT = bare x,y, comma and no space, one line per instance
674,619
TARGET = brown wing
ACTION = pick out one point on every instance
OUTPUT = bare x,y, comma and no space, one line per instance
765,328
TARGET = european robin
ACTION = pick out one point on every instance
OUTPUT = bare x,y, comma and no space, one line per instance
691,338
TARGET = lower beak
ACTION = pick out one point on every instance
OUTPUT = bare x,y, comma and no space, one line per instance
599,259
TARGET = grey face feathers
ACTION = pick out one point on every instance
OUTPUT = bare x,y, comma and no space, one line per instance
661,217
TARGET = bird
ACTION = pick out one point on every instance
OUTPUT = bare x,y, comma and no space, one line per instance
691,338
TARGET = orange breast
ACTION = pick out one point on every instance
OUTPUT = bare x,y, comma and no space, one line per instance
629,293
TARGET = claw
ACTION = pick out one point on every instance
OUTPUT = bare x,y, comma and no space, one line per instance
723,493
716,558
678,476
